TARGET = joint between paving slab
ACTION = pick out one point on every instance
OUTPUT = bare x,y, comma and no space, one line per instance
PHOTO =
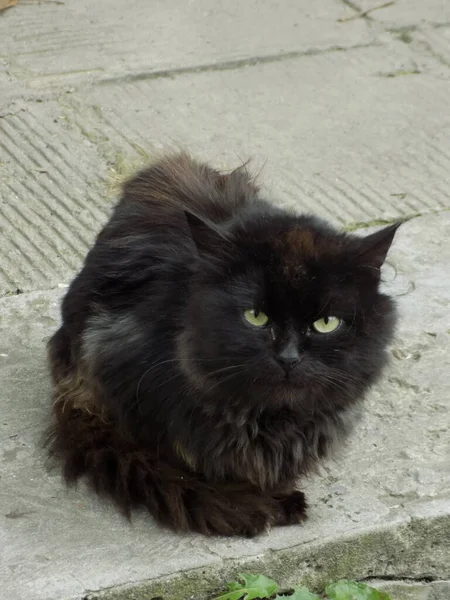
366,13
12,113
232,64
423,579
352,5
353,556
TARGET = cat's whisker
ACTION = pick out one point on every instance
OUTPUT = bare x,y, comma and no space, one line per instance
229,368
222,381
164,362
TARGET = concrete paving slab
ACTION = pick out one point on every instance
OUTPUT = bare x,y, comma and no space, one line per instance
60,43
52,197
337,134
12,91
423,25
382,509
404,590
340,138
435,41
406,13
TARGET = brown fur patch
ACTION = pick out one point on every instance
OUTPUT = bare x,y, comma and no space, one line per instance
184,455
302,242
296,248
77,392
301,246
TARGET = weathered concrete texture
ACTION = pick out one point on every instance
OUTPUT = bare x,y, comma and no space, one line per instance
66,42
336,135
370,159
436,42
425,26
52,197
382,509
404,13
407,590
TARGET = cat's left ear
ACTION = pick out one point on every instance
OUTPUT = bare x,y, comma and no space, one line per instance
373,249
207,236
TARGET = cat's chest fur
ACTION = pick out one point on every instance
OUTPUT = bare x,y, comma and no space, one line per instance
270,450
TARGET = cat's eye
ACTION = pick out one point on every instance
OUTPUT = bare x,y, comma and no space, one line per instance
327,324
256,318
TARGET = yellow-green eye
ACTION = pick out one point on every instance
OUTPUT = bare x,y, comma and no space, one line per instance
327,324
256,317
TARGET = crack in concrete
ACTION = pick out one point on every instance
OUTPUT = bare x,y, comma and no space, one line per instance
432,52
203,543
362,14
352,5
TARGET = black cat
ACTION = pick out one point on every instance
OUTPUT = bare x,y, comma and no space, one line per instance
213,349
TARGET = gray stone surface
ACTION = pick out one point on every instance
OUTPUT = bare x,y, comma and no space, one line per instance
58,43
405,13
393,475
404,590
347,114
370,161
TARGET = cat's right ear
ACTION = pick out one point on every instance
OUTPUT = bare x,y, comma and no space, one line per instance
208,238
372,249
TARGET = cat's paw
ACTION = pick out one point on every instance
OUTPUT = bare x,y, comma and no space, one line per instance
292,508
243,524
249,519
247,516
257,524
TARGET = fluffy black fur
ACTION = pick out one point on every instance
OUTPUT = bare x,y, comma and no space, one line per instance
166,396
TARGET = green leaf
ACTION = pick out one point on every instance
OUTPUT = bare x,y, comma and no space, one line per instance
253,586
351,590
299,594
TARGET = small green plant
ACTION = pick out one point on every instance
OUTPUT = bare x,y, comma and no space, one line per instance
252,587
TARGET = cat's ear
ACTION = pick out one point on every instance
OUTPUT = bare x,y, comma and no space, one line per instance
208,238
372,249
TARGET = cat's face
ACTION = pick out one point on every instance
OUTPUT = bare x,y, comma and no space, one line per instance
287,314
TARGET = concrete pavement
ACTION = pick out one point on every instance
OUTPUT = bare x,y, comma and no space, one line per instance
346,111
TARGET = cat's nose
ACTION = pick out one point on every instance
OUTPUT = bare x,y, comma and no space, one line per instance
289,356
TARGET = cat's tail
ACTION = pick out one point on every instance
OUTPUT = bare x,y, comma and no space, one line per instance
91,446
